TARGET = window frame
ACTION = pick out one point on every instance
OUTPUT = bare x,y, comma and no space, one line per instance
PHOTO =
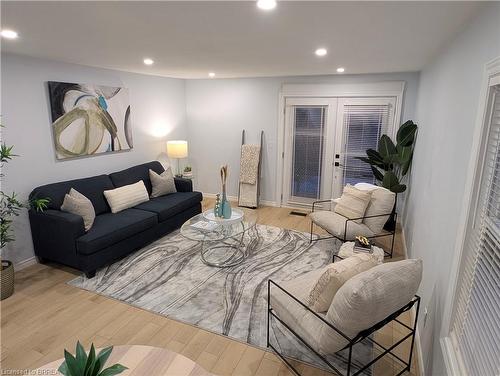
491,77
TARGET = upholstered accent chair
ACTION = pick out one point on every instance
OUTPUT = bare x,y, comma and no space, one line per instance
370,225
365,299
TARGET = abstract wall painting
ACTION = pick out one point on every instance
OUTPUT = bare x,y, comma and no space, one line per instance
89,119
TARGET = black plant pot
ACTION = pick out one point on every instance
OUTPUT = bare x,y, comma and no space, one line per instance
390,225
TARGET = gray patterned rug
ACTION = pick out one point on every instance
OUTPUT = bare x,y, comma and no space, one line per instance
169,278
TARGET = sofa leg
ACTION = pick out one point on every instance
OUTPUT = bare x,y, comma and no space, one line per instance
90,274
42,260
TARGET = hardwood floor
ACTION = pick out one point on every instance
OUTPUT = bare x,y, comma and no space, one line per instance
45,316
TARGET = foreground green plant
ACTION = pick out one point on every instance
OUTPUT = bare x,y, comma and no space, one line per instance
390,163
82,364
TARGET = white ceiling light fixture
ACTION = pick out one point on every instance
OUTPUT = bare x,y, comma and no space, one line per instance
340,70
9,34
266,4
321,52
211,75
148,61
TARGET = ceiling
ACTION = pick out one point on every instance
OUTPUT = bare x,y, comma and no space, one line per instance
236,39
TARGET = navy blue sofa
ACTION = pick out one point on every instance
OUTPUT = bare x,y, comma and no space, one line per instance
60,236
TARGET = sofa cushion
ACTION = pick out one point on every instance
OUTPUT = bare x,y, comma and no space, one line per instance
168,206
110,228
92,188
381,202
134,174
335,224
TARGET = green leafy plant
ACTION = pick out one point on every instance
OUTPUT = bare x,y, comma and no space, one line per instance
391,162
10,204
82,364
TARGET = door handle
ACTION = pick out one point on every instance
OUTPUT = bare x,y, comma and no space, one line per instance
337,164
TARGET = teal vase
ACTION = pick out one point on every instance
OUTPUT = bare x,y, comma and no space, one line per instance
226,206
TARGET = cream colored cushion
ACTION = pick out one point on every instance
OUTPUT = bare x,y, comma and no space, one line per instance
127,196
332,278
162,184
371,296
381,202
335,224
78,204
353,203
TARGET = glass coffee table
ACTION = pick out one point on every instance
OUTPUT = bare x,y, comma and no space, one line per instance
222,239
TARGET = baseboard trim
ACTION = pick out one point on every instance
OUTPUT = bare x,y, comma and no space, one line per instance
25,263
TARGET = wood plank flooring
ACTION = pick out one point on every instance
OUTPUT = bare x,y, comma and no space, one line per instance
45,316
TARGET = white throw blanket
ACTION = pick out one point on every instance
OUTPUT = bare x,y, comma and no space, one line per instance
249,166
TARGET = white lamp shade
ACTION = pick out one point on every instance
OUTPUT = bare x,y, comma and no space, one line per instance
177,149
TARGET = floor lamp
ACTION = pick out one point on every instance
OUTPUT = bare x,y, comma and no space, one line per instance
177,149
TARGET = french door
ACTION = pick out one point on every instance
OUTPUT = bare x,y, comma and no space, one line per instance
323,137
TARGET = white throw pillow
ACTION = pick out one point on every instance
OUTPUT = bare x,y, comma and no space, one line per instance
127,196
370,297
333,277
382,202
353,203
162,184
78,204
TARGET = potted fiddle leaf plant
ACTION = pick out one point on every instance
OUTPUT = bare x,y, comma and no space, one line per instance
83,364
10,207
391,161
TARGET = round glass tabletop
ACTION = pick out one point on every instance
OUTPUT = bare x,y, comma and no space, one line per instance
202,228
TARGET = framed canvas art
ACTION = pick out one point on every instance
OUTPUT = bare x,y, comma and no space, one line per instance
89,119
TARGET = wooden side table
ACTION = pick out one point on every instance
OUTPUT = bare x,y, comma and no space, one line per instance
144,360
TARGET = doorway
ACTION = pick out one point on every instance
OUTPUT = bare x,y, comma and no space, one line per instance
322,140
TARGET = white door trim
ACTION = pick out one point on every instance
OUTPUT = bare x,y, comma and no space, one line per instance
372,89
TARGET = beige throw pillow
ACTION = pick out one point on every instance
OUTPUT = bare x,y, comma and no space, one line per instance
370,297
162,184
353,203
127,196
381,202
334,276
78,204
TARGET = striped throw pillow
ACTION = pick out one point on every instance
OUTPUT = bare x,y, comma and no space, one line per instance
127,196
353,203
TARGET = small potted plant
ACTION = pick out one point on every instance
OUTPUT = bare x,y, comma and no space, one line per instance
10,207
188,173
82,364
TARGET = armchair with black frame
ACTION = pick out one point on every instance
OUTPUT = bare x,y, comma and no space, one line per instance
370,225
328,334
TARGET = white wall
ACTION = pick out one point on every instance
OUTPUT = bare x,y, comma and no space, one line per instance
446,113
158,112
218,110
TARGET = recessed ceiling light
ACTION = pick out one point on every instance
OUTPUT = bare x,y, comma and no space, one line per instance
211,75
321,52
266,4
340,70
148,61
9,34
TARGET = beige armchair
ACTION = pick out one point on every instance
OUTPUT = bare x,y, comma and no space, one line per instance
346,229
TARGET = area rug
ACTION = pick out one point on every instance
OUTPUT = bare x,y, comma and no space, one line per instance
169,278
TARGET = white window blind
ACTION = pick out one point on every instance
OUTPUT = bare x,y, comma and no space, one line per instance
475,330
363,126
308,139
